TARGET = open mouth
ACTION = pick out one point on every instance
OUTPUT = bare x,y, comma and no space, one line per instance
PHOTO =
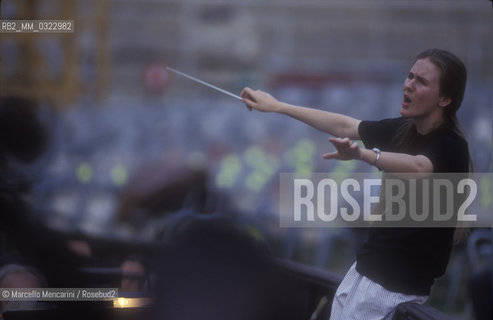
407,99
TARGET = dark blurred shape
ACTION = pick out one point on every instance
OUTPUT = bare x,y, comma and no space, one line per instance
211,270
81,311
479,250
480,286
18,276
163,187
414,311
22,136
309,288
80,248
24,238
134,273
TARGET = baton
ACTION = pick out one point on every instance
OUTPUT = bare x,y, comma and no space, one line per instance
204,83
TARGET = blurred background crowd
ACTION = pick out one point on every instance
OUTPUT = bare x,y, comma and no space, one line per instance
133,153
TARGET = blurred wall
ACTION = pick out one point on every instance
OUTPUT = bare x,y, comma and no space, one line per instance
235,42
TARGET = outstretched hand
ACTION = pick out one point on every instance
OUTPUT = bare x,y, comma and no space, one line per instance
345,149
259,100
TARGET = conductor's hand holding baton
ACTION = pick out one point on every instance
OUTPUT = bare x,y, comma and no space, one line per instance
260,100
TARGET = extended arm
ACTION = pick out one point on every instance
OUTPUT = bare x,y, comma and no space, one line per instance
332,123
339,126
388,161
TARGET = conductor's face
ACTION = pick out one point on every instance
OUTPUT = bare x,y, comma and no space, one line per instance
421,97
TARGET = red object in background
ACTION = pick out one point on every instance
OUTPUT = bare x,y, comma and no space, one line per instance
156,78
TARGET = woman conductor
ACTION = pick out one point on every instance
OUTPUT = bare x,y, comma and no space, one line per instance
395,265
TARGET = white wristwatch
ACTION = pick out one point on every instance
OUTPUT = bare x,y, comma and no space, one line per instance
377,151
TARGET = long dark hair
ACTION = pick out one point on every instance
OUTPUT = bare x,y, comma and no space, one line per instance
453,78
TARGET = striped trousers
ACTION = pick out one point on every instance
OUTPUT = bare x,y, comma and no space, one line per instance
359,298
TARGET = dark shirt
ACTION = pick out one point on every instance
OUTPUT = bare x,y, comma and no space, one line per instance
407,260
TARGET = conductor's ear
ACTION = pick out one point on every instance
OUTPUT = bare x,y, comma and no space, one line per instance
444,101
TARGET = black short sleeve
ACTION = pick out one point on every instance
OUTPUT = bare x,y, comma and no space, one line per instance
379,134
448,153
